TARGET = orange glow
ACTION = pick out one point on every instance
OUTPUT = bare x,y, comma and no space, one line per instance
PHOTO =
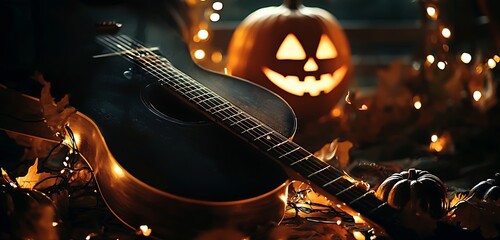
118,171
145,230
326,49
291,49
446,32
311,85
476,95
466,57
432,12
363,107
216,57
430,59
492,63
199,54
337,112
358,235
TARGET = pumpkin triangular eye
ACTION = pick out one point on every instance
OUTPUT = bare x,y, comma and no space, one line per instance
291,49
326,49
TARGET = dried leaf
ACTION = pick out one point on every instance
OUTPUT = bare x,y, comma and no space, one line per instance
56,114
336,149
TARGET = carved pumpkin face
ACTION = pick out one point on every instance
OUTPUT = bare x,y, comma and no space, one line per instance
291,49
299,53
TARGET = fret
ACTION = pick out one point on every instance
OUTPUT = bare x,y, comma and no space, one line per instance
241,120
252,128
214,107
193,90
345,190
228,117
223,109
321,170
208,99
264,135
332,181
302,159
360,197
198,96
298,148
277,145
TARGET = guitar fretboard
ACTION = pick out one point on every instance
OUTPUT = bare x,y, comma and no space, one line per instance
333,181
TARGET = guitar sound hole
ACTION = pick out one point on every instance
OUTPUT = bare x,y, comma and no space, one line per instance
162,103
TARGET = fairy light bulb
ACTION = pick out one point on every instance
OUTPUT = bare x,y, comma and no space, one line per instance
441,65
446,32
202,34
199,54
491,63
217,6
432,12
214,17
466,57
476,95
430,59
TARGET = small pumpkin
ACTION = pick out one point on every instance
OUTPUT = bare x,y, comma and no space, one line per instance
298,52
26,214
488,189
422,190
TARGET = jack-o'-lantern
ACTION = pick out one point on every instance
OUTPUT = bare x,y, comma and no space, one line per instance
298,52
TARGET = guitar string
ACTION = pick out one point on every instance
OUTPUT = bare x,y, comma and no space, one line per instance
154,68
250,133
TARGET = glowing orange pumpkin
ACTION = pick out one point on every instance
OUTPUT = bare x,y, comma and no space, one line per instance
300,53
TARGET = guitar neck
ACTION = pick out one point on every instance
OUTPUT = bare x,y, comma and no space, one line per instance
331,180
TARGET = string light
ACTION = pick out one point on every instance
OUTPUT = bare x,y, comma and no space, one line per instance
434,138
214,17
217,6
446,32
416,103
441,65
492,63
199,54
476,95
430,59
145,230
202,34
466,57
432,12
496,58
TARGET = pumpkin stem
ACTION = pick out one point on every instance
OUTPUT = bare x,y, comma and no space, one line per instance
411,173
292,4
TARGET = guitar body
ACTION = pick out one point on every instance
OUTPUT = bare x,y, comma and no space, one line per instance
156,162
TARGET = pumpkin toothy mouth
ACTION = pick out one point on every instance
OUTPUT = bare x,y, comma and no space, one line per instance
292,84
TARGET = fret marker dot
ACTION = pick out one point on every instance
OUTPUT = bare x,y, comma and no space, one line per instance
268,137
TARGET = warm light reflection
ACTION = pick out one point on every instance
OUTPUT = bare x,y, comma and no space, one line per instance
491,63
434,138
339,222
118,170
446,32
214,17
199,54
284,198
202,34
358,219
496,58
441,65
363,107
476,95
54,224
432,12
430,59
466,57
358,235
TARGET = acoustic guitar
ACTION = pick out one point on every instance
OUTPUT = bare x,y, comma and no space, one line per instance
184,150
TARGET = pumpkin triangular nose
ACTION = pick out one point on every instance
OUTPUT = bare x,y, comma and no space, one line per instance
310,65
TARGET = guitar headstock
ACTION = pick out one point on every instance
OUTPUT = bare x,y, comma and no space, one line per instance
109,27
